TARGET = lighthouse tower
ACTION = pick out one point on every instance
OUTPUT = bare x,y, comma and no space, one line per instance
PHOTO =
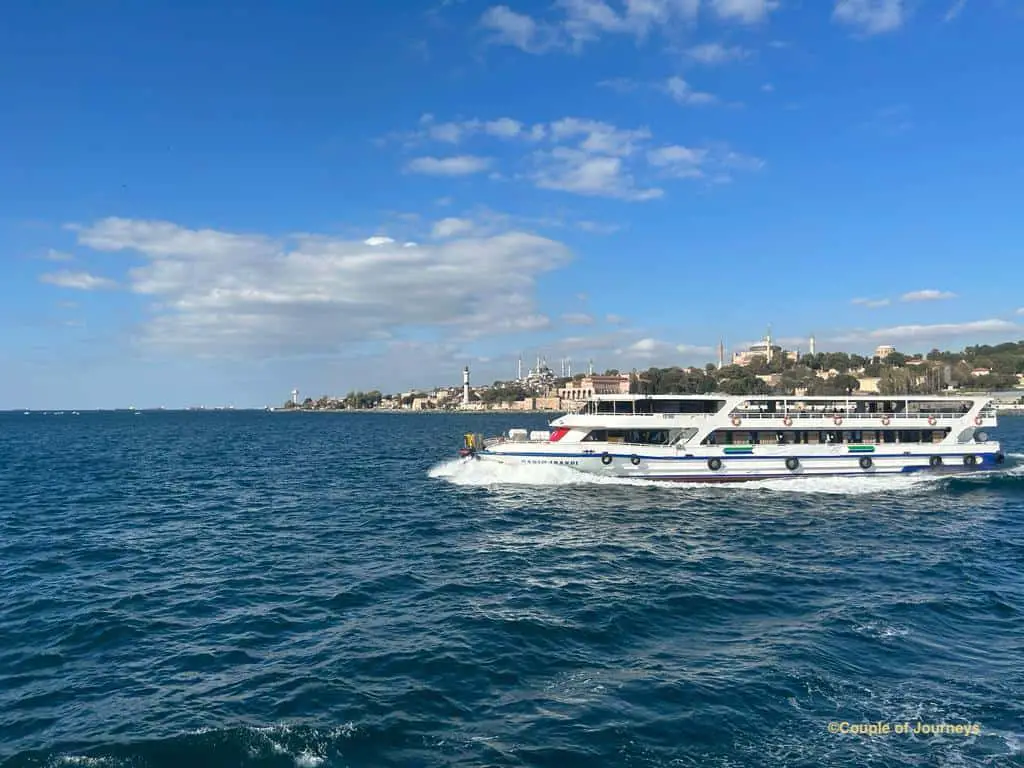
295,397
465,385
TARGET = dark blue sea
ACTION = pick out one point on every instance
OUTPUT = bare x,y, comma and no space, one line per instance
268,589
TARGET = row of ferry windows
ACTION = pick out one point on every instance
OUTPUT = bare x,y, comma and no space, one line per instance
654,406
633,436
815,437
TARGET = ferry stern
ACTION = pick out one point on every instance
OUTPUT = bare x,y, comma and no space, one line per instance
471,443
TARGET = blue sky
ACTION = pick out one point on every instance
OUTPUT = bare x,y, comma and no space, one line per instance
212,203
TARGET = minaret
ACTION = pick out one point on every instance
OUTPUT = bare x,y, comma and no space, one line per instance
590,367
465,385
563,367
721,353
568,367
768,339
811,348
519,369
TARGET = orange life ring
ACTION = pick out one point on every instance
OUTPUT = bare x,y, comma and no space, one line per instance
931,420
735,421
787,421
977,420
838,420
885,421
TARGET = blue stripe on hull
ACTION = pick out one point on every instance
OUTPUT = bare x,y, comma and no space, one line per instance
983,458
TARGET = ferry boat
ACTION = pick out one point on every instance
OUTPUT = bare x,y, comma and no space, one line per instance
731,438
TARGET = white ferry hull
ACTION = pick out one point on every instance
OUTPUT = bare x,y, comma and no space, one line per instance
754,466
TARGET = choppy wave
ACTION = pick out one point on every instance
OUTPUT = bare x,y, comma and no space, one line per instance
257,590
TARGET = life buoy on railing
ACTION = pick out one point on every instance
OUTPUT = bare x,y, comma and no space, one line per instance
885,421
838,420
931,420
977,421
787,421
736,421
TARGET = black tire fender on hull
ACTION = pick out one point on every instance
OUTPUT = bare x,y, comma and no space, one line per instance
606,458
792,463
865,462
714,463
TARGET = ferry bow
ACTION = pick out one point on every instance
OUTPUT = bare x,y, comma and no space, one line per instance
731,438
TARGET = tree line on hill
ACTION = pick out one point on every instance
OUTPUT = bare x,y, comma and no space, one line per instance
897,374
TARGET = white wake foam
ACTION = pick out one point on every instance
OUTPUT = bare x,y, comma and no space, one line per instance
468,472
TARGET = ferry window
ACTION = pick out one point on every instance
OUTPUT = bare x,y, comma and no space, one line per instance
615,436
926,436
596,436
644,406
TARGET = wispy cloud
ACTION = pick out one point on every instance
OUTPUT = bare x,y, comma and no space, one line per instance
954,10
584,156
871,302
871,17
683,93
745,11
583,22
578,318
82,281
928,294
55,255
935,331
716,53
518,30
460,165
451,227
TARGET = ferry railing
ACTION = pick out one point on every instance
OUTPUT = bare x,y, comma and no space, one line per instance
852,416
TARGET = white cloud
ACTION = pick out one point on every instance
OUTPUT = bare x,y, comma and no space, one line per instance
716,53
82,281
518,30
767,88
683,93
1020,311
451,226
461,165
218,293
613,319
930,332
599,137
929,294
745,11
872,17
574,170
871,302
504,127
678,160
578,318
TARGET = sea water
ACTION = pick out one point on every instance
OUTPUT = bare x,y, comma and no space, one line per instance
274,589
